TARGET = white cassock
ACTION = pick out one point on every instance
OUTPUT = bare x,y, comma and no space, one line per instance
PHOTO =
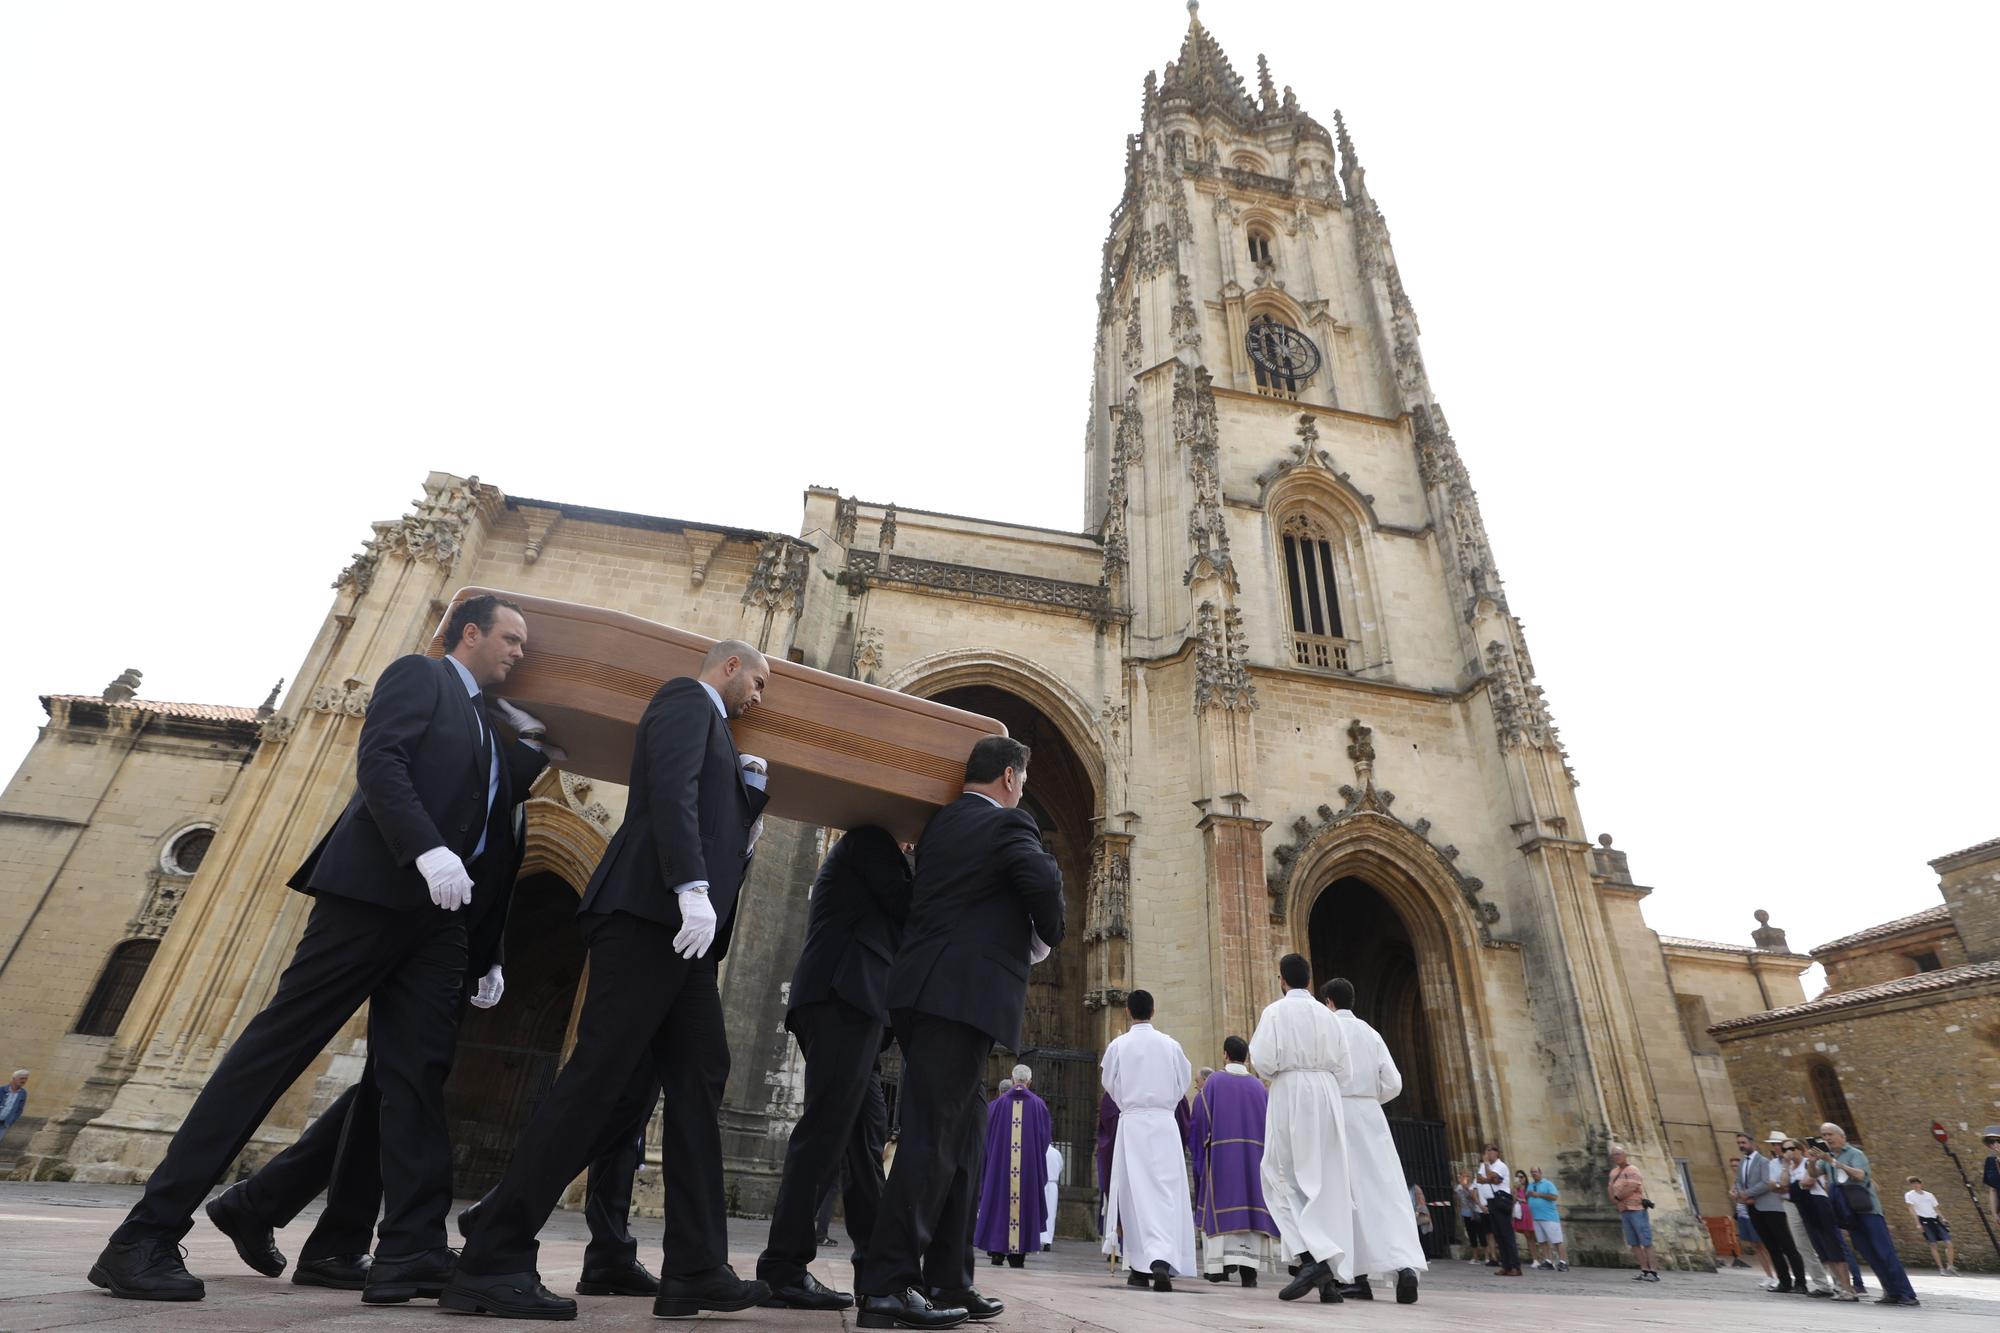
1054,1162
1147,1074
1300,1047
1385,1225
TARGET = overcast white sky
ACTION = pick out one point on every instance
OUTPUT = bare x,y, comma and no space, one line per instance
1708,290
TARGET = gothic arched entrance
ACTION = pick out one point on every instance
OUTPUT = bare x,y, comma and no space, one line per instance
1355,932
508,1055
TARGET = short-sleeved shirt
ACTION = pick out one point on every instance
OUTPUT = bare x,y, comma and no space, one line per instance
1627,1188
1923,1201
1991,1175
1542,1195
1486,1191
1853,1156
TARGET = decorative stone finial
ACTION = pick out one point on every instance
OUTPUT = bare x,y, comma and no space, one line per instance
123,688
1763,917
1194,10
1604,841
270,704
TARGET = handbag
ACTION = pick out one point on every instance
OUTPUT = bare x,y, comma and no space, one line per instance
1859,1200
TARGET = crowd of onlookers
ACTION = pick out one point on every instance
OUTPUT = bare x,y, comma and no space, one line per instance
1808,1209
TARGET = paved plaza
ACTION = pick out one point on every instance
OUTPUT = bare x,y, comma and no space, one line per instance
50,1233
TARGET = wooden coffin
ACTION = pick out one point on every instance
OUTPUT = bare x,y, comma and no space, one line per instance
842,753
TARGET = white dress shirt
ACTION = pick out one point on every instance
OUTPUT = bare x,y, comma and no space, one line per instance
492,753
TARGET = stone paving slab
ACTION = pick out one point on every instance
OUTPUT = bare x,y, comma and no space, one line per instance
49,1234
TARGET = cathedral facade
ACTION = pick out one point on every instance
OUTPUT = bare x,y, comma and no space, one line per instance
1276,698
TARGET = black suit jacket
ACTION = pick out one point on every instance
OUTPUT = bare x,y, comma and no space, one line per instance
860,900
982,879
687,817
420,782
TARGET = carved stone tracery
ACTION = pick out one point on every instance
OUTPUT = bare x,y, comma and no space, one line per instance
1222,661
1196,435
779,577
434,531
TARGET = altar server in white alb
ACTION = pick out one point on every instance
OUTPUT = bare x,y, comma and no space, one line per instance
1385,1226
1147,1074
1300,1048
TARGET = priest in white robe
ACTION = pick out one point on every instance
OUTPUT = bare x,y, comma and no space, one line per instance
1148,1214
1300,1048
1049,1195
1386,1242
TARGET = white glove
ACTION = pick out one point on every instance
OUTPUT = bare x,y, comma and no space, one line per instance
451,887
756,832
525,725
491,987
755,770
1037,950
697,924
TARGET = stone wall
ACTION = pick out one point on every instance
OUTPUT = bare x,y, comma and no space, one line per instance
1970,881
1902,1062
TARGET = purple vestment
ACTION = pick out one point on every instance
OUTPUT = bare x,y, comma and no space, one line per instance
1107,1137
1011,1196
1226,1143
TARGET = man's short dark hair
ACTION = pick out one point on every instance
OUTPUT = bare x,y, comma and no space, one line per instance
478,611
1296,971
1340,991
1139,1004
993,756
1237,1049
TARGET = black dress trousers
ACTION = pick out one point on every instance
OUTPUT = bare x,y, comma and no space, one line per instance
407,966
607,1190
840,1044
642,1002
923,1229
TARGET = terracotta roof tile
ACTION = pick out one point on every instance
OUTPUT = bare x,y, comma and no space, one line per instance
1930,916
1918,984
201,712
1716,946
1989,845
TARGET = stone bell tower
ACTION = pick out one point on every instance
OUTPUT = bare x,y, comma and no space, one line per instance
1317,625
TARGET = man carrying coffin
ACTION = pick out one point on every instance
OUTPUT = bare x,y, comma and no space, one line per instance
1385,1226
1012,1201
839,1012
1226,1145
1147,1073
433,804
656,920
1300,1047
984,890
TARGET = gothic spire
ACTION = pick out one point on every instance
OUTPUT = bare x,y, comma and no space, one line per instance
1351,173
1267,92
1204,75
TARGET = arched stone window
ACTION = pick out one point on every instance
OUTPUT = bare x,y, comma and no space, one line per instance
1246,161
1830,1098
1312,594
1260,246
116,986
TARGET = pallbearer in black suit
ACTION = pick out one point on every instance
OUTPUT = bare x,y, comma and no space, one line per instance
839,1011
434,795
986,904
656,919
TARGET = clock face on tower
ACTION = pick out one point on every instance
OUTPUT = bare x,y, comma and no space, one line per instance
1282,351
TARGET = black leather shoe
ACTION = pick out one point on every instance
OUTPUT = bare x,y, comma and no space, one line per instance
1163,1275
342,1272
717,1289
1017,1260
976,1307
146,1270
1330,1294
908,1309
1223,1276
1406,1287
255,1245
808,1293
393,1279
1357,1290
1137,1279
507,1295
1248,1276
996,1258
627,1279
1312,1277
